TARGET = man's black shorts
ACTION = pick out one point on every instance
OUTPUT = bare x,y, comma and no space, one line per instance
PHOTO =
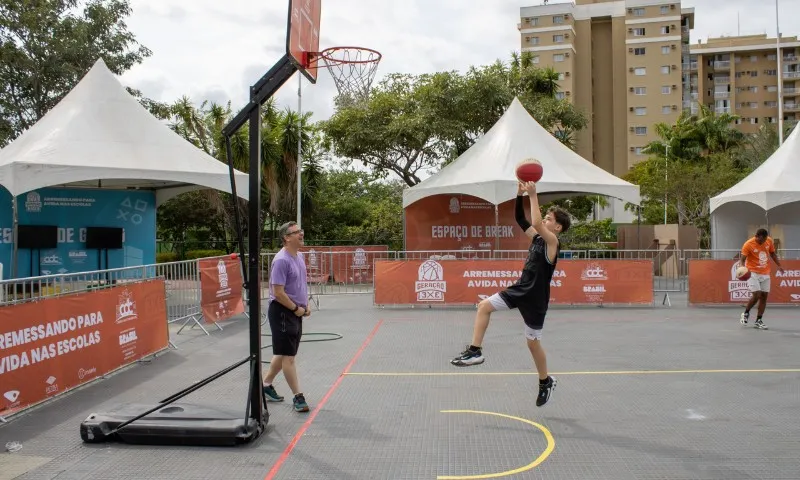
287,328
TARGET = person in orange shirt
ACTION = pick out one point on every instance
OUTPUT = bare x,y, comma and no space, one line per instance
755,256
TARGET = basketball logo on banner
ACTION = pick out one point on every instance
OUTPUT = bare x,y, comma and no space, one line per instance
221,294
430,285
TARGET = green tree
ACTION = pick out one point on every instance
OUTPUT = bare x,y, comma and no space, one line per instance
351,206
45,49
415,124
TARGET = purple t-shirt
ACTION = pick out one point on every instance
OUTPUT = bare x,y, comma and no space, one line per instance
289,271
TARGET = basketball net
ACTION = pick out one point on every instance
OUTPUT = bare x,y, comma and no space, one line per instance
353,70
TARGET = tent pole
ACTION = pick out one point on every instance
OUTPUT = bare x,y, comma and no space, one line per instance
14,237
496,229
639,227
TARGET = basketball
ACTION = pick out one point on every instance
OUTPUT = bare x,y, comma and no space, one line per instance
529,170
742,273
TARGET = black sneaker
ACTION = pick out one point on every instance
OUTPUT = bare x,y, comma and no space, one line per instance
271,394
545,389
759,324
468,357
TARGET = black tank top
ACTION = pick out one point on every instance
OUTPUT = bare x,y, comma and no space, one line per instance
532,291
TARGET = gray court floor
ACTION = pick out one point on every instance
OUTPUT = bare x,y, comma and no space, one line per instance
646,393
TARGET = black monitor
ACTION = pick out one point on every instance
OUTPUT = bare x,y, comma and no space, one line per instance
103,238
37,237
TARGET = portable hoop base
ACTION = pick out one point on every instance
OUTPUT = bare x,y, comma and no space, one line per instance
176,424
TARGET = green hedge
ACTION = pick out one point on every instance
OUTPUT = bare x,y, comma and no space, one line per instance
166,257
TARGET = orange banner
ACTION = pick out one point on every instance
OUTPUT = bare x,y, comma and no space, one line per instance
467,282
342,263
53,345
318,263
353,264
714,282
221,282
463,222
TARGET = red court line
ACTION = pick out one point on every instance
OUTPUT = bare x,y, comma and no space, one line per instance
321,404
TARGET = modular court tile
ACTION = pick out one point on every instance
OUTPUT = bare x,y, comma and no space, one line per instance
643,393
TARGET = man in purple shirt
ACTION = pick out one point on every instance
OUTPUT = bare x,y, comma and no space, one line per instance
288,295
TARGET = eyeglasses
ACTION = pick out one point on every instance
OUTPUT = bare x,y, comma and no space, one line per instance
296,231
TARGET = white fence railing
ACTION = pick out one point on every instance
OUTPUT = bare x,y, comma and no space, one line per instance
337,272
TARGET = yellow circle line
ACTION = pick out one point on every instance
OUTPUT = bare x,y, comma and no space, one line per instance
551,445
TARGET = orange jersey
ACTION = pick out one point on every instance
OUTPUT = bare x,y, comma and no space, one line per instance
757,256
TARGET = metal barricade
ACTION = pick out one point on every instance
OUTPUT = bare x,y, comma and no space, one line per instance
668,271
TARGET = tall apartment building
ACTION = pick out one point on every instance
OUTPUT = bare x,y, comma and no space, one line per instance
620,61
740,75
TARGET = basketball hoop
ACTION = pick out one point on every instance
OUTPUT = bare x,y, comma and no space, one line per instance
352,68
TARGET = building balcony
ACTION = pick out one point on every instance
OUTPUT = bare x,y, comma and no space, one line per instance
791,107
721,64
722,110
722,80
791,75
695,95
722,94
790,92
690,66
791,59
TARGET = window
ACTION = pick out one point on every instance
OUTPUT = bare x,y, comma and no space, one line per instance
638,12
640,71
534,40
638,150
558,57
666,89
665,69
558,19
558,38
665,30
772,56
536,59
640,91
665,50
664,9
640,130
638,32
772,88
639,51
666,109
753,58
560,95
561,76
770,73
754,120
640,111
535,21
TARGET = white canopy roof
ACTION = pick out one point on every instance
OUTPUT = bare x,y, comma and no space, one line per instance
486,170
774,183
100,136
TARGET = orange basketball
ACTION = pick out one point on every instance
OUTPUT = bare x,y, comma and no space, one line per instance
529,170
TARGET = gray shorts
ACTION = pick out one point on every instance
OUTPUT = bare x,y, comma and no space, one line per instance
497,302
758,283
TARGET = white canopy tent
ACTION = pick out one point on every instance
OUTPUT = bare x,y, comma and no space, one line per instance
769,197
99,136
486,170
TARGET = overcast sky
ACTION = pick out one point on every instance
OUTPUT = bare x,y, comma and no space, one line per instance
212,50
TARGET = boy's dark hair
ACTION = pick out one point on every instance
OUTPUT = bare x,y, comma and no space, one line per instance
762,232
561,216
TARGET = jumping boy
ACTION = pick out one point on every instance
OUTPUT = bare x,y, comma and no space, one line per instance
531,293
756,253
